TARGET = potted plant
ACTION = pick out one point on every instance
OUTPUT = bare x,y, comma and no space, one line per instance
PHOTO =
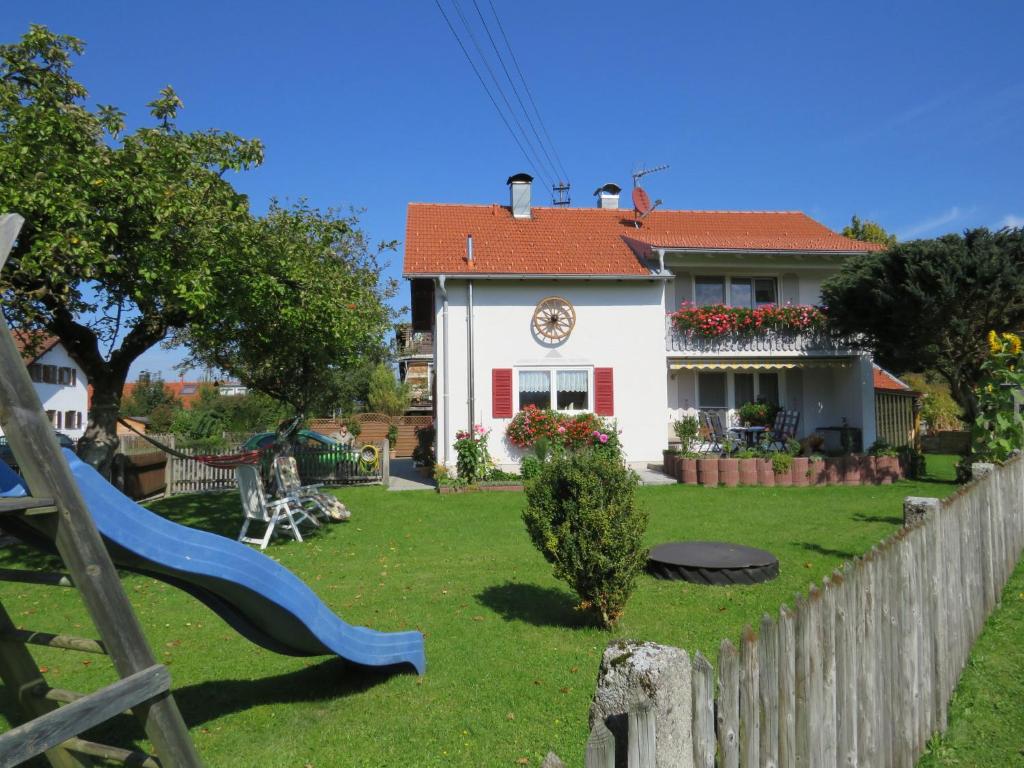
887,462
834,470
668,461
758,414
801,470
765,471
852,474
392,439
729,471
747,460
782,467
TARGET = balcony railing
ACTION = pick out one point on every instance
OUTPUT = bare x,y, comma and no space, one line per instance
414,342
759,343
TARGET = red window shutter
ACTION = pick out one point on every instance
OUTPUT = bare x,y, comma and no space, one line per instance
501,393
604,392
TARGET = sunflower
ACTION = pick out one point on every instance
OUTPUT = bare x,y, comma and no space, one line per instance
994,344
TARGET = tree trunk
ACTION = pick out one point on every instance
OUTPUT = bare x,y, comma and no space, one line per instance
99,443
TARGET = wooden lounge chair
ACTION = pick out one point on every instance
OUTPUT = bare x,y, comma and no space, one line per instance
309,497
272,513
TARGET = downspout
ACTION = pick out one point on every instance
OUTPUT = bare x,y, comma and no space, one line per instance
443,437
469,336
661,261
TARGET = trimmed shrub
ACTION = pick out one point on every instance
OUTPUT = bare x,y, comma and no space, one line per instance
582,516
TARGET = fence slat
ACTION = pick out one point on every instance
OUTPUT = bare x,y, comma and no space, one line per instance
787,688
728,712
703,713
768,691
846,611
642,736
750,717
828,673
600,747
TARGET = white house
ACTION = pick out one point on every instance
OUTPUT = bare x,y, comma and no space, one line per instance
569,308
59,381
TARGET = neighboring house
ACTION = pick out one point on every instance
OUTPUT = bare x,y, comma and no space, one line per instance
414,351
59,381
897,409
490,277
188,391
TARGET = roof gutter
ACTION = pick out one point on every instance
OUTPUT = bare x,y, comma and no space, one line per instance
650,277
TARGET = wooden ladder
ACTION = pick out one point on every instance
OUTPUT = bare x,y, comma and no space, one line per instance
56,717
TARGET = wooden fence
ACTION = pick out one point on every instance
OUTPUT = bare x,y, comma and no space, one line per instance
328,466
895,420
861,670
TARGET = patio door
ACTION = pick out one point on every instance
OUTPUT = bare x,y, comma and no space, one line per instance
726,391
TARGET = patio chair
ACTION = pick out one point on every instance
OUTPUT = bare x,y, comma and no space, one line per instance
715,438
784,428
309,497
272,513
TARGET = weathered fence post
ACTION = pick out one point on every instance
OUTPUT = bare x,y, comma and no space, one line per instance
768,691
750,717
600,747
728,711
787,688
916,509
642,735
703,713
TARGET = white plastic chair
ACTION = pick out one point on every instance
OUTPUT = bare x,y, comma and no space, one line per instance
271,513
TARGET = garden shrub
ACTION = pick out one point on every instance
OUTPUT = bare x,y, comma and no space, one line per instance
781,463
759,414
687,430
529,467
472,459
423,453
581,515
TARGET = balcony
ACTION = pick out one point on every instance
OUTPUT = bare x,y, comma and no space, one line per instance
759,343
411,343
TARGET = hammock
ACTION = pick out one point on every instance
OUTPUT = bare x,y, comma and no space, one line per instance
218,461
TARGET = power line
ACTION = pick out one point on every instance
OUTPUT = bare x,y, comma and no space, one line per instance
483,83
508,76
526,87
541,170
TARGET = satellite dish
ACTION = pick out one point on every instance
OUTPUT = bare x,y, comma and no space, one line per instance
641,201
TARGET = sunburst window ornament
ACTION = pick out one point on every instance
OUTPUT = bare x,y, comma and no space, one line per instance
553,319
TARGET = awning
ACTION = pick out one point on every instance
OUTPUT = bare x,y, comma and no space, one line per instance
755,365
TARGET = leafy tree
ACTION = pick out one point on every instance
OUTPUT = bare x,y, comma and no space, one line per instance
148,394
868,232
386,394
928,304
124,233
306,302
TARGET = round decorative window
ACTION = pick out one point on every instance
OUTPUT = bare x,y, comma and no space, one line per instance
553,319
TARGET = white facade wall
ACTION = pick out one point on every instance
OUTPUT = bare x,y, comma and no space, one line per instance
619,325
62,398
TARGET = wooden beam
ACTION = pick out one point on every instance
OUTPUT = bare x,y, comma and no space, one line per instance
21,675
18,504
56,727
132,757
67,642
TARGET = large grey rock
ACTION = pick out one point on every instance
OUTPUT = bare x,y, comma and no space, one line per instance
632,671
919,508
980,469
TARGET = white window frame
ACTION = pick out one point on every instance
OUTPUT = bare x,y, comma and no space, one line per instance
728,284
553,377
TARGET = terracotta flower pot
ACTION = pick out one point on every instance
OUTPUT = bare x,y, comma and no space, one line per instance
887,469
668,463
688,471
765,472
729,472
834,471
784,478
799,470
852,474
815,472
748,471
707,471
869,470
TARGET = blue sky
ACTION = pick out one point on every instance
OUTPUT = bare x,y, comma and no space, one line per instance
908,113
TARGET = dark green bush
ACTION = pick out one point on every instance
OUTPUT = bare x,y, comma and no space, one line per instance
582,517
529,467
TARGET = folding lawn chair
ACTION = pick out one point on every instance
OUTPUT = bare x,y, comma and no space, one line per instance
257,508
715,438
784,428
309,497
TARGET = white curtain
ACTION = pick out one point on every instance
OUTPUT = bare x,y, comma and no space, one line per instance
572,381
534,381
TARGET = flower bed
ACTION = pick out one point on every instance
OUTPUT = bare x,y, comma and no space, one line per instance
801,471
571,431
719,320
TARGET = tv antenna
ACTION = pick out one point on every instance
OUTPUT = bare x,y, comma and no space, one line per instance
642,204
560,193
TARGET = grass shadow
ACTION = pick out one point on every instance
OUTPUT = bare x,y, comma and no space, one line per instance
218,512
810,547
890,520
540,606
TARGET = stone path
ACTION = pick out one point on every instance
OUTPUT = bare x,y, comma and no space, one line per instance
404,477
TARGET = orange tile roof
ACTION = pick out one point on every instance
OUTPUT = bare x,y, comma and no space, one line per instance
595,241
33,345
185,391
886,381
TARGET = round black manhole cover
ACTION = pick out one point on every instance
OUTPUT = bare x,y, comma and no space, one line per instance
712,562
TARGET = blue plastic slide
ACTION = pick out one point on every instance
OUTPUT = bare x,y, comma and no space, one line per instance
259,598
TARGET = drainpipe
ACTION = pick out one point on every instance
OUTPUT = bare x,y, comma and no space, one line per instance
661,261
469,336
443,438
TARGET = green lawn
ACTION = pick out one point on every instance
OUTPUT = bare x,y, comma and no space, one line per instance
986,718
511,666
